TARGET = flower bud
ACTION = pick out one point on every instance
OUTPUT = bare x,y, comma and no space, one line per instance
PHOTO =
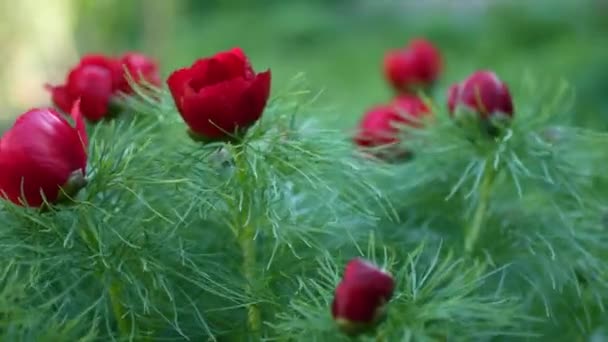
97,78
414,68
481,96
93,81
43,157
361,297
140,68
379,126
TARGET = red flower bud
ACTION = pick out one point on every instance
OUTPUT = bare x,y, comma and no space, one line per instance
482,93
415,67
452,97
97,78
43,155
140,68
411,108
220,95
360,298
379,125
93,81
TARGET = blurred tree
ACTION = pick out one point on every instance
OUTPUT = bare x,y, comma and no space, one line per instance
158,24
38,45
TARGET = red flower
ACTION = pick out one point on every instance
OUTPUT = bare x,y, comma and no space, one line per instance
140,68
93,81
41,154
411,108
482,93
97,78
415,67
379,125
452,97
220,95
360,297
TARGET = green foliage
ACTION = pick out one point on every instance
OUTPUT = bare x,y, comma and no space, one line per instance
173,239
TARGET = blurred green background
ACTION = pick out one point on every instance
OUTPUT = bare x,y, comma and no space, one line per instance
337,44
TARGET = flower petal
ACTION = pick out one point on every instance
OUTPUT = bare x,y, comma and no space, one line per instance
81,128
177,82
141,68
223,66
215,112
255,98
93,85
112,65
38,154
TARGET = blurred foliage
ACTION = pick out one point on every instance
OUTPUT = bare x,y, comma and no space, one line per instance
546,188
339,44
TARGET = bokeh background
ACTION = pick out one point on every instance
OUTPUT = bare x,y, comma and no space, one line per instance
337,46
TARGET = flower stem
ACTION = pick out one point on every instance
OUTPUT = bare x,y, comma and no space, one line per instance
483,201
118,310
92,241
247,243
245,233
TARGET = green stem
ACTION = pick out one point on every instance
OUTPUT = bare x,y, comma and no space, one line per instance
254,319
92,241
245,232
118,310
483,201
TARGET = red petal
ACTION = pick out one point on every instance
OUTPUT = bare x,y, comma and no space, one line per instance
453,94
396,66
358,270
358,301
505,103
93,85
60,96
255,98
38,154
215,112
223,66
178,82
485,93
140,68
429,62
236,62
81,127
411,109
112,65
419,64
377,127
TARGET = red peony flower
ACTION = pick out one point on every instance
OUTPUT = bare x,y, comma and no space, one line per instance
93,81
360,297
43,155
482,93
220,95
379,125
415,67
141,68
97,78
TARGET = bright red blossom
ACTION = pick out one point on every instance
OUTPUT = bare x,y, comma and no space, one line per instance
416,66
140,68
361,295
412,109
483,93
97,78
220,95
379,125
93,81
40,154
